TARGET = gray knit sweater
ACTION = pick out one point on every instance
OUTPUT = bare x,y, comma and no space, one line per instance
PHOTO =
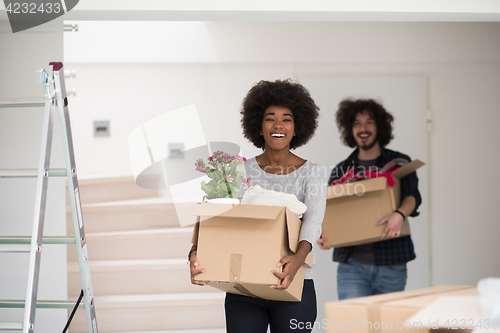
308,183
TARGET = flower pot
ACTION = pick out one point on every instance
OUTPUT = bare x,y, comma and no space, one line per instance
233,201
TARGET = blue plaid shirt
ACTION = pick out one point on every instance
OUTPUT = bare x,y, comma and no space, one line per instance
393,251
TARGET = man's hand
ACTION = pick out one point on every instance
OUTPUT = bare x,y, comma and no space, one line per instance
321,242
394,223
193,266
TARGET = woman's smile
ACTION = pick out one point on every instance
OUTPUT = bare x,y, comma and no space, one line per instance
278,127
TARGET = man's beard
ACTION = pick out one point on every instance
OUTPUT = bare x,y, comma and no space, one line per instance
368,146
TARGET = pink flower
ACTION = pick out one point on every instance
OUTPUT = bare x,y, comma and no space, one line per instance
229,178
200,166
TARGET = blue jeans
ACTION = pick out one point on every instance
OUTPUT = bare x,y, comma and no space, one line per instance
252,315
355,279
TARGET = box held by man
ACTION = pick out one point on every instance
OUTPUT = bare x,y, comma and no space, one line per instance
354,209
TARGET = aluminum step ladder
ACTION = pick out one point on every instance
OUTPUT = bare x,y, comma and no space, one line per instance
55,98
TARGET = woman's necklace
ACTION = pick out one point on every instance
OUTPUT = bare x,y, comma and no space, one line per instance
278,166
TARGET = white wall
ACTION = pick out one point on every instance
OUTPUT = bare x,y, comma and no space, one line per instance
128,95
20,136
296,43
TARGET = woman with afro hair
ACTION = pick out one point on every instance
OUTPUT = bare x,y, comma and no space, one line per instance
278,116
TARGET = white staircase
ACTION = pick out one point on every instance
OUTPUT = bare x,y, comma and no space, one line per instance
138,263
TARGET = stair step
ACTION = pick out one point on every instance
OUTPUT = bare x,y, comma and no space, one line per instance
152,276
158,312
137,244
103,189
150,213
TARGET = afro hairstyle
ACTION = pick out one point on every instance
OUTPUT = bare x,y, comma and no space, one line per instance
283,93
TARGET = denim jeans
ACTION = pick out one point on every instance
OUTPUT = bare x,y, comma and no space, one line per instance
355,279
252,315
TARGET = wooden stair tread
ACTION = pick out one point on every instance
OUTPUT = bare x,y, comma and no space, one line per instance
131,265
159,300
147,232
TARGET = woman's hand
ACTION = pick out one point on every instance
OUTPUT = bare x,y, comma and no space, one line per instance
193,266
291,265
321,241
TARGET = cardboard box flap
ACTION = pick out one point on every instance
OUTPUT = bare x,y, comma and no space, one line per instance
245,211
196,229
424,300
383,298
407,169
358,188
293,224
448,311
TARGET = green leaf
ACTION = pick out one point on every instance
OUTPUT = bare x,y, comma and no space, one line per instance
233,169
235,192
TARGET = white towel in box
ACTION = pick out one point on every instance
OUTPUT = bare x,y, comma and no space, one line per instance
256,195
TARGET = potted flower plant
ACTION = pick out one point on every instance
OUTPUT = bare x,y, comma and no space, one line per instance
225,179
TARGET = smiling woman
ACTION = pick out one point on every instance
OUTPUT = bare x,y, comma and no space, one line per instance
279,116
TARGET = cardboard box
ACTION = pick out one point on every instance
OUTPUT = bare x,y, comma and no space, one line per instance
458,313
354,209
239,246
374,314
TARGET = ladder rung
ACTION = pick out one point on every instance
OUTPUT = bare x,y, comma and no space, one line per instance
26,173
22,102
23,243
11,326
41,304
45,240
15,247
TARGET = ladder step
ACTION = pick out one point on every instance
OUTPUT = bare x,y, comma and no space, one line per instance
15,248
22,102
28,173
11,326
46,240
23,243
41,304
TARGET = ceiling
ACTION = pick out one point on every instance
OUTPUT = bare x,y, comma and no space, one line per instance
284,10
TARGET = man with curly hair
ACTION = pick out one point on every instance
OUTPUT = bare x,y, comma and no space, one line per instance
380,267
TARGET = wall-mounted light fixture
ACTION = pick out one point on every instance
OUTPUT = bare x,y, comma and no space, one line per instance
71,27
101,128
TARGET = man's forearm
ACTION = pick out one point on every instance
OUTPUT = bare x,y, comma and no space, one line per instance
407,205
